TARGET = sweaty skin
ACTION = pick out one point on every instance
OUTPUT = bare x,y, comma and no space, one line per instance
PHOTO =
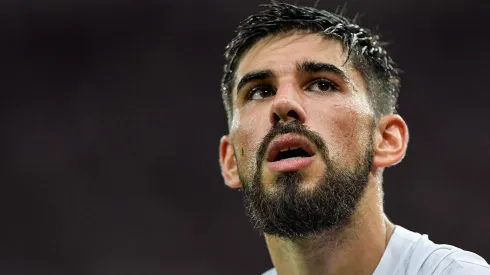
343,118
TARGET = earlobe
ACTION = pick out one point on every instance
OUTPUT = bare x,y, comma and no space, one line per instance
391,141
229,169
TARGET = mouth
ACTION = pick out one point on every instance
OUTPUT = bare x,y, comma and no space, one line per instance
290,152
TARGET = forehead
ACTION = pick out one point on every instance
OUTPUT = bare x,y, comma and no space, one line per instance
280,53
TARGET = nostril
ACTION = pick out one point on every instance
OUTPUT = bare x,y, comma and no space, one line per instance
293,113
276,118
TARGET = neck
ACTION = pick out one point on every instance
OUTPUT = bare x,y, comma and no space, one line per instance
355,249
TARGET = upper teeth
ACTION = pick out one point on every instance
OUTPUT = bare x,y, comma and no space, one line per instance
287,149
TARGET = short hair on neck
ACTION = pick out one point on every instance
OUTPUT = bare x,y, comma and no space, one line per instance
364,49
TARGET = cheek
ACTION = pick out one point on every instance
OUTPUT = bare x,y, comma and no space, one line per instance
345,133
247,135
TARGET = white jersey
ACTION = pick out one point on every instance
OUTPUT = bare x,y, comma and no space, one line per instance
411,253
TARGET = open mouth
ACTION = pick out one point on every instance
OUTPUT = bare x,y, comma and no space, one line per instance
290,152
289,146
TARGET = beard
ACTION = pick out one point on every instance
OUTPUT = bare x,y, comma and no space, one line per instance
290,212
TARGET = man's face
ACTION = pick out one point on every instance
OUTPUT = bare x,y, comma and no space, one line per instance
302,133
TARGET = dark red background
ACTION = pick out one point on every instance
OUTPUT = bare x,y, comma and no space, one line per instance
111,116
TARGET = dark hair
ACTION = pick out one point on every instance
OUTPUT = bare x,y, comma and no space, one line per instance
363,49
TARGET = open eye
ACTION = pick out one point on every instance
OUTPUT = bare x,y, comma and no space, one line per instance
322,85
260,92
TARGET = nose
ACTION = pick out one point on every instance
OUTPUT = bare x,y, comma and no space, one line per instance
286,106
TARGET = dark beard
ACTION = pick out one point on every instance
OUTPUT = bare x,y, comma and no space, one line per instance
289,212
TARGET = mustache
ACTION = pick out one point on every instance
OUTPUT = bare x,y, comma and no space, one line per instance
294,127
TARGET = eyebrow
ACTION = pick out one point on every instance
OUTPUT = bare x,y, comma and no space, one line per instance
253,76
320,67
303,67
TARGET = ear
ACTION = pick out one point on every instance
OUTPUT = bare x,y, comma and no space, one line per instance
229,169
391,141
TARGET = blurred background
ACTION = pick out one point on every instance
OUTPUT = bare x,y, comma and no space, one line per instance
111,116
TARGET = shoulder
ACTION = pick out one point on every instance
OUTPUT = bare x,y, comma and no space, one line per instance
463,267
271,271
413,253
425,257
459,262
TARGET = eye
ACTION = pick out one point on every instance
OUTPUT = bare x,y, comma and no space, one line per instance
260,92
322,85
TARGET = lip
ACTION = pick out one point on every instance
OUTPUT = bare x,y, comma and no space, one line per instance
290,164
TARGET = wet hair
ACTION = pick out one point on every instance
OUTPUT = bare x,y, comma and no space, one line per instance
363,48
